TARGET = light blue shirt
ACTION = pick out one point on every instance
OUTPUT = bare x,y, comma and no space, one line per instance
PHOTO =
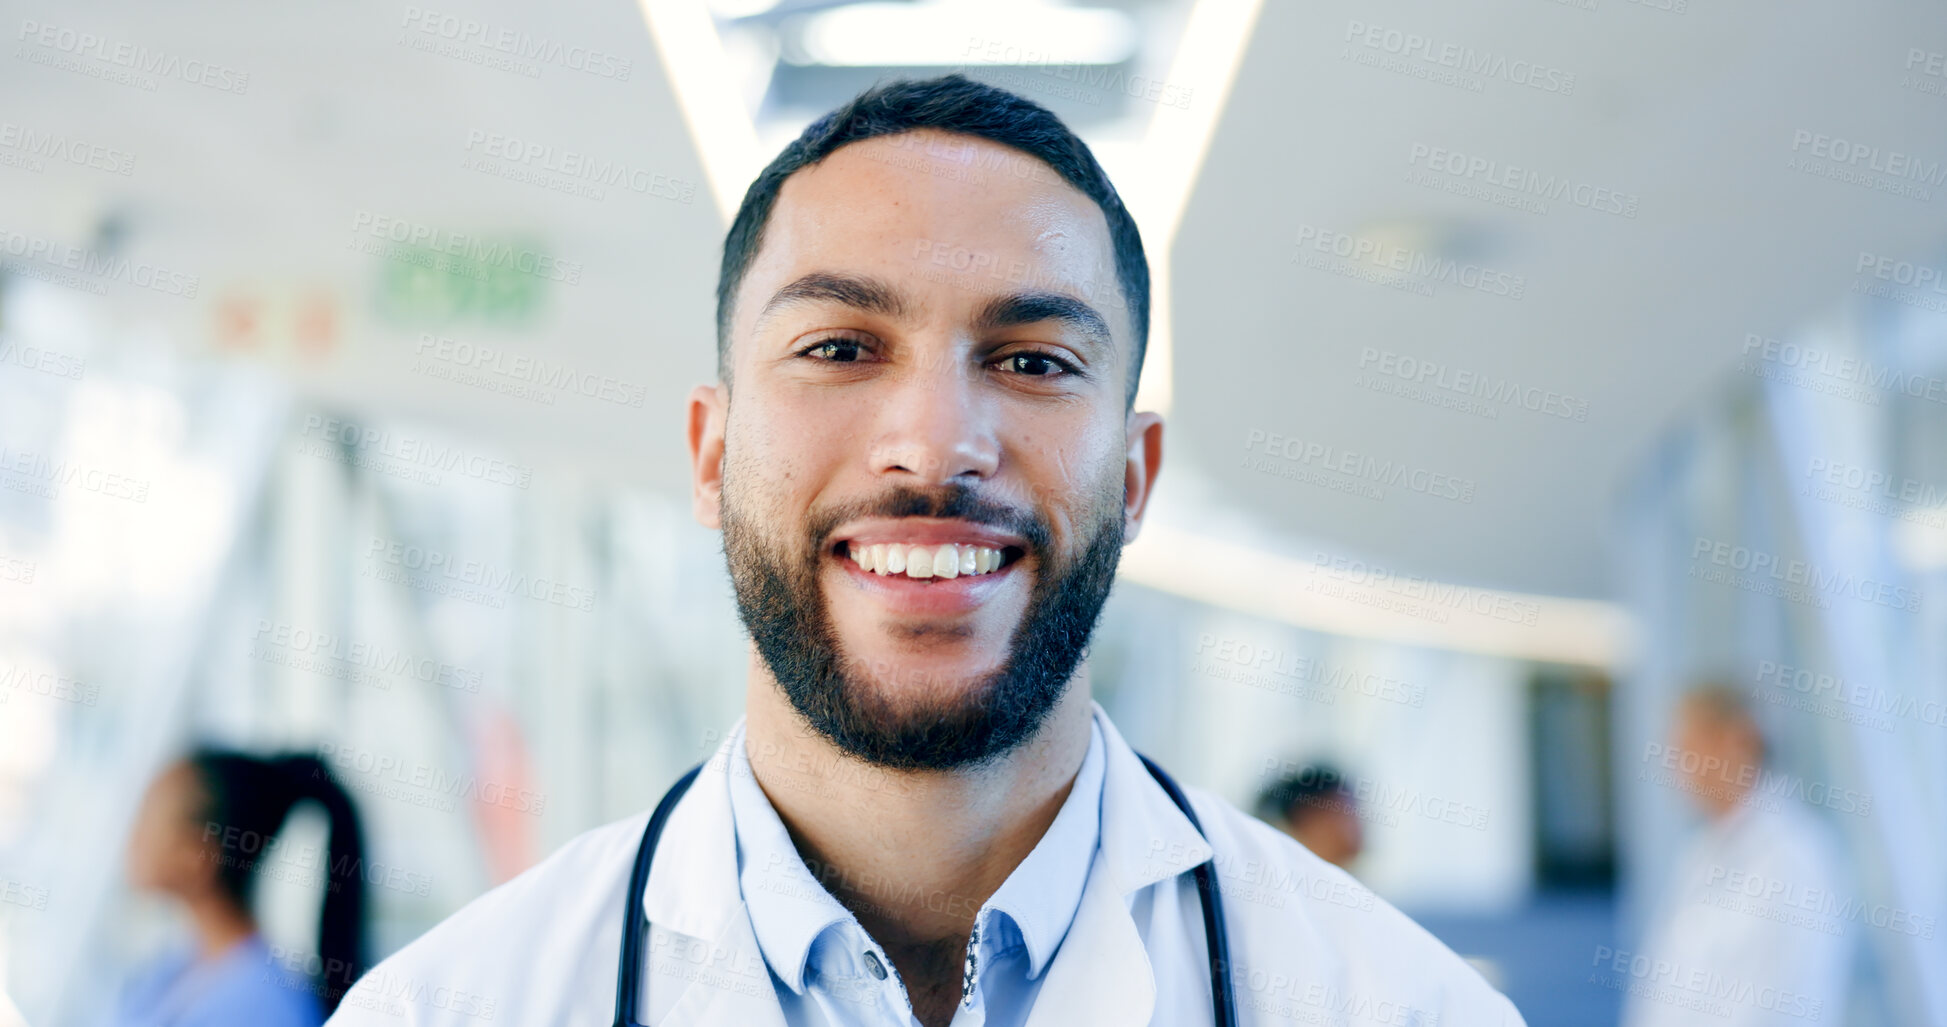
828,972
245,985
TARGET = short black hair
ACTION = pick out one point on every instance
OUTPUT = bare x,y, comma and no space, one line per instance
951,103
1310,788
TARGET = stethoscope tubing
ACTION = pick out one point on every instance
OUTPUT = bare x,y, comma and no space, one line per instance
635,921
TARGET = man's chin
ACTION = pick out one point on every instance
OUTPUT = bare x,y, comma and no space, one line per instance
908,690
904,655
909,716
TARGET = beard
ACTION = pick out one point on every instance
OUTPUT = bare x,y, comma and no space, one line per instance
960,725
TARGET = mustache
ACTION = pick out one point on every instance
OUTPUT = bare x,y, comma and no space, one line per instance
956,502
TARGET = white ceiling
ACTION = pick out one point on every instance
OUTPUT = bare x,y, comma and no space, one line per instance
1694,112
258,195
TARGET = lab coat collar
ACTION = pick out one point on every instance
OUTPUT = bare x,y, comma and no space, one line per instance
1145,838
693,882
693,890
1100,975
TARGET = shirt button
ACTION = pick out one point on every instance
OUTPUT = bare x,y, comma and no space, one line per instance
873,965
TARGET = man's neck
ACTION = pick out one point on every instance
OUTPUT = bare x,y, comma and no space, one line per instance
913,854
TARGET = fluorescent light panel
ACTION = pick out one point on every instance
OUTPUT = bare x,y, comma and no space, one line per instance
955,33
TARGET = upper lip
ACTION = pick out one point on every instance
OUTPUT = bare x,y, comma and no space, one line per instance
925,531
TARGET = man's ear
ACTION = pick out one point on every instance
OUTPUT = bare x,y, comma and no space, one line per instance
709,406
1139,476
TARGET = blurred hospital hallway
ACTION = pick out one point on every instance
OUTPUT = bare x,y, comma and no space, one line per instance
1556,409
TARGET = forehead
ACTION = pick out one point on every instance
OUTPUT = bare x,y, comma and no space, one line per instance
941,215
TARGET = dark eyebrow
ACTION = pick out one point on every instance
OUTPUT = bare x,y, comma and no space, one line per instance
860,292
1025,308
866,293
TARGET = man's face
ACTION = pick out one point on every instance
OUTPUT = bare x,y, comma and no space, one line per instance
929,362
1331,830
1721,757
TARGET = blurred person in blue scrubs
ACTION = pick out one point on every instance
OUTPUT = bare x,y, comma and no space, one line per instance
1752,930
1316,806
206,832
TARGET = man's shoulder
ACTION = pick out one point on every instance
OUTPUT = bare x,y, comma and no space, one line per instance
1281,897
546,924
1792,843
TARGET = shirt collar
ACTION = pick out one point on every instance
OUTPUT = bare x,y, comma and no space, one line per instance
1106,976
790,909
1043,891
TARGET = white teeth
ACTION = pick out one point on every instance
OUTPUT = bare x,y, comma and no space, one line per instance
945,561
919,563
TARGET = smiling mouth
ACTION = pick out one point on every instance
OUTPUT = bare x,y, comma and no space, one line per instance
928,562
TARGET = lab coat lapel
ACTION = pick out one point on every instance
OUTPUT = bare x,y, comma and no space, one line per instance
736,990
693,890
1102,974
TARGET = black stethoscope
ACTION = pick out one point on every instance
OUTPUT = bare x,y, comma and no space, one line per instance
635,922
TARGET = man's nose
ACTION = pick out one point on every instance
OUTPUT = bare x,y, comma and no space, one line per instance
935,426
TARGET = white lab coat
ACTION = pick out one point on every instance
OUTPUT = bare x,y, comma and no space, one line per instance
1309,944
1754,930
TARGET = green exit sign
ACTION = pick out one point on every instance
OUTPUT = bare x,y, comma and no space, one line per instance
486,282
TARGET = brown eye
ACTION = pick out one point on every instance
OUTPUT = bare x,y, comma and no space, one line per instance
835,350
1035,365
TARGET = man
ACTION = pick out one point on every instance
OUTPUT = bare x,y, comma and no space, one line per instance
1316,807
1753,931
924,457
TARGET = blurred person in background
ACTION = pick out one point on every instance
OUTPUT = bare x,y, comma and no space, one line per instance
205,834
1752,925
1315,806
